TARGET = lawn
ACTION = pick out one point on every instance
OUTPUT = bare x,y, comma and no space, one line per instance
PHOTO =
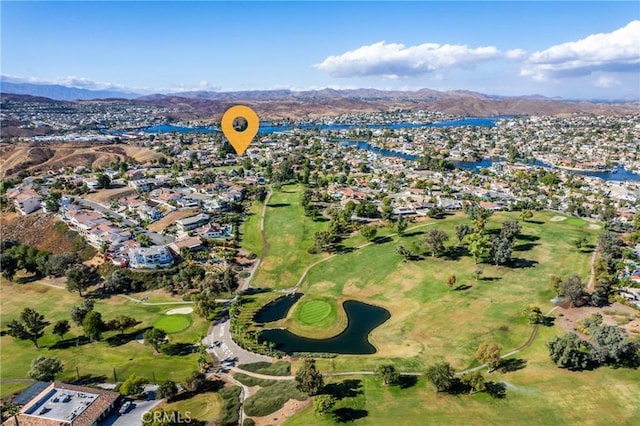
173,323
429,320
97,359
205,407
538,394
313,311
289,233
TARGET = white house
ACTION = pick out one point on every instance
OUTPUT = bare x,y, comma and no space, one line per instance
150,257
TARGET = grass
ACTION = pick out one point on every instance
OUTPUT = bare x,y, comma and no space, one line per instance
290,234
271,398
173,323
313,311
96,359
231,397
431,322
205,407
278,368
316,317
539,394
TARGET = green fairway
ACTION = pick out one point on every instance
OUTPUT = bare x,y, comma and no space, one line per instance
121,353
289,234
313,311
205,407
173,323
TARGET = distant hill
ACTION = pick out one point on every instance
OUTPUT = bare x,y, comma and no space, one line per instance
280,104
62,93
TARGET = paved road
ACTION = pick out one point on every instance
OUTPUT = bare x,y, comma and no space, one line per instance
135,415
220,343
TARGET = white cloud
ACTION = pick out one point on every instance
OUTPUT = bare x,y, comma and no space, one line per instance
617,51
607,82
394,60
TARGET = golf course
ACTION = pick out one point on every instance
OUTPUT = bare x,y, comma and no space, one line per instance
432,321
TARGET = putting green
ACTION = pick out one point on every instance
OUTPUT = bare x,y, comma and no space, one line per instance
314,311
173,323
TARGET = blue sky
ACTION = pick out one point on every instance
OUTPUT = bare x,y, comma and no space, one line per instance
572,49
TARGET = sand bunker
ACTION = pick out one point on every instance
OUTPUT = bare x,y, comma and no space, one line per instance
558,218
180,311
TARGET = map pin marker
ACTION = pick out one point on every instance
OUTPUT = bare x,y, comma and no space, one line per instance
240,124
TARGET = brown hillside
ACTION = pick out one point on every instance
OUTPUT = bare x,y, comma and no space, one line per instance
36,229
35,157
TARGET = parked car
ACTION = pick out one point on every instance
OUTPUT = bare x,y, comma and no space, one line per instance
125,407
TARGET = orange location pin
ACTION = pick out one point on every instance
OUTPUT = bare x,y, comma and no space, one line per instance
240,124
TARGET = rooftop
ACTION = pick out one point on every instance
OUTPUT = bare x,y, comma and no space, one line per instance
61,404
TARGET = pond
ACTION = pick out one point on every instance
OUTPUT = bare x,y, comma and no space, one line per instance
276,309
354,340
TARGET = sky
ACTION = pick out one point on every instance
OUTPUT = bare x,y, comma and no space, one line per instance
574,50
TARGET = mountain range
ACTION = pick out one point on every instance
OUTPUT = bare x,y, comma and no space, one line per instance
277,104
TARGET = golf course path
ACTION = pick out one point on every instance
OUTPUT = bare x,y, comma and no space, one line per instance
592,277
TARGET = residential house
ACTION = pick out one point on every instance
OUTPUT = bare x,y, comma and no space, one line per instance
150,257
190,223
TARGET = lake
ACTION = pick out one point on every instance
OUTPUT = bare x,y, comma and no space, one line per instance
362,319
268,128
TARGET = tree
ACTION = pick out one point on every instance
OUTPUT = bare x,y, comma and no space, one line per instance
611,346
261,194
525,215
31,327
103,180
462,231
368,232
388,374
118,281
569,351
441,375
401,225
500,250
555,282
489,353
510,229
323,403
45,369
434,240
93,325
366,209
478,246
134,385
8,264
308,378
533,314
122,322
451,281
61,328
58,264
78,313
12,410
168,389
194,382
78,279
574,290
154,337
475,380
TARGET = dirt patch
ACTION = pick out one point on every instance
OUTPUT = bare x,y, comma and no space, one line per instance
36,230
277,418
558,218
170,219
594,226
616,314
110,194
